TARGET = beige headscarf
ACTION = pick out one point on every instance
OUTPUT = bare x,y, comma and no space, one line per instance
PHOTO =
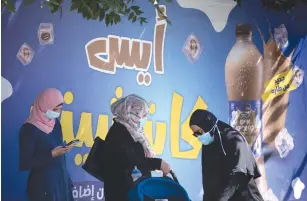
128,111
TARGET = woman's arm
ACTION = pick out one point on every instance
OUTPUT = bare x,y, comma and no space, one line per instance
122,152
128,158
28,159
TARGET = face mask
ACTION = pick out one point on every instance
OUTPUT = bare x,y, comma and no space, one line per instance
52,114
142,122
206,138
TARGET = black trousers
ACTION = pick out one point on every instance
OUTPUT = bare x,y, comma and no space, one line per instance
241,188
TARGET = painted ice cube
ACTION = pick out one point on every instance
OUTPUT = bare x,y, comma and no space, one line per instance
268,194
234,116
298,187
284,143
271,196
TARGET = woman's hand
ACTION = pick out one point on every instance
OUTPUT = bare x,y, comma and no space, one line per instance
165,167
60,150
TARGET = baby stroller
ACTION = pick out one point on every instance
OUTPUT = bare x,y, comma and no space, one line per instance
144,187
158,188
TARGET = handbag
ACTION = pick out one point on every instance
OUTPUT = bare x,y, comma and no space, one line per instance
94,164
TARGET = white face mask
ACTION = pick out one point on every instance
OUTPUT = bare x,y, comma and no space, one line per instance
142,122
52,114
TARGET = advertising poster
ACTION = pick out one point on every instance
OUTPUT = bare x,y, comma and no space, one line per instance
245,64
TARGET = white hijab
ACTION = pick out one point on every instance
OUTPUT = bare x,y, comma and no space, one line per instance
128,111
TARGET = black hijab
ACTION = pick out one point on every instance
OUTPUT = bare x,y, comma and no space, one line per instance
239,157
203,119
207,122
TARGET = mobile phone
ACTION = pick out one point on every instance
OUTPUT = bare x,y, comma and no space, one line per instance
76,141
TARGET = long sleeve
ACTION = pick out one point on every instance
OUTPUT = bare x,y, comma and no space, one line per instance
211,173
240,157
28,157
238,162
217,178
125,151
129,159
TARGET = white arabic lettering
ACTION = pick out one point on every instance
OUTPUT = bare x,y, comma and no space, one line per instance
75,192
87,191
100,191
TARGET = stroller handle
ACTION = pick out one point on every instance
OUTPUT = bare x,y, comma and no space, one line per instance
174,176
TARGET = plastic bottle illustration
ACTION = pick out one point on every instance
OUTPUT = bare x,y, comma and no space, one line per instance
243,77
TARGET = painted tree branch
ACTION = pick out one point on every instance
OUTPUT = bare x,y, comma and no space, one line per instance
278,5
110,11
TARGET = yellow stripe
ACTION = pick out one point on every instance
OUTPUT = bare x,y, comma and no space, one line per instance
278,85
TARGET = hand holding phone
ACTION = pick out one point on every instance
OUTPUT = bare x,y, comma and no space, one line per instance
59,150
73,142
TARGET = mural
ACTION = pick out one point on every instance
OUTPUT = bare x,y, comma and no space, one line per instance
246,65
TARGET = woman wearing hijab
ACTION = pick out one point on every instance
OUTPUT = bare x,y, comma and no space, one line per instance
229,168
41,151
128,147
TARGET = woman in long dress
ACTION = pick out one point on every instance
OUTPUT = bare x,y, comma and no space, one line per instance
41,150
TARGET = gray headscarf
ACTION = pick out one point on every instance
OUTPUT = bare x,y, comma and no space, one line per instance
128,111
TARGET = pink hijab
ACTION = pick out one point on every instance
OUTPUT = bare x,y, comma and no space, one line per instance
46,100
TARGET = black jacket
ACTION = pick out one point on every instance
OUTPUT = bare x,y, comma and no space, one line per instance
217,167
123,154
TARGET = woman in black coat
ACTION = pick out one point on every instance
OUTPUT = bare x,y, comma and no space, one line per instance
229,168
127,147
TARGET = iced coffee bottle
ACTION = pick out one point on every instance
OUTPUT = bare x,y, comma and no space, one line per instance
243,77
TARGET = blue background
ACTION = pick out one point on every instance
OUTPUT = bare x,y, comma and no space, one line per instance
63,65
